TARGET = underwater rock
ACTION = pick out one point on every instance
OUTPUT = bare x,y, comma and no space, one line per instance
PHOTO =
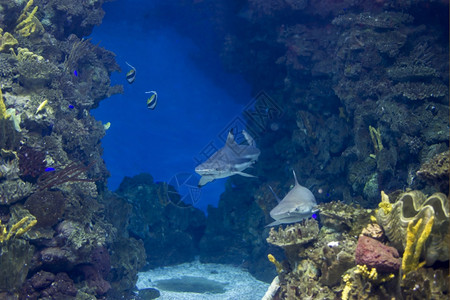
410,207
61,288
42,279
56,259
129,257
148,294
375,254
95,279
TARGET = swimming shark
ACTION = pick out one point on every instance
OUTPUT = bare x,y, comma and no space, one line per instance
298,204
229,160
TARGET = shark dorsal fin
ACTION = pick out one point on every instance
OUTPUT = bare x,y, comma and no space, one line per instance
295,178
276,197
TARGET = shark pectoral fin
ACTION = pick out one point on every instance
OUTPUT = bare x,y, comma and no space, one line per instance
274,223
204,180
245,174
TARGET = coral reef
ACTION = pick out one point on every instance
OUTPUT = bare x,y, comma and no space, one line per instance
55,239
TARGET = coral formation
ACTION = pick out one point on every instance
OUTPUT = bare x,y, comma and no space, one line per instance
296,234
47,206
374,254
436,170
409,208
7,41
416,236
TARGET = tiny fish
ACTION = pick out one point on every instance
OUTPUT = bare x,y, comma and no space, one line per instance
75,72
49,169
131,75
152,100
71,106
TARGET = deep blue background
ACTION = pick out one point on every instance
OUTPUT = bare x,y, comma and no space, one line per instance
197,99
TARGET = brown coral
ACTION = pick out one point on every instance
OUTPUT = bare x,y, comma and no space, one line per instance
46,206
436,169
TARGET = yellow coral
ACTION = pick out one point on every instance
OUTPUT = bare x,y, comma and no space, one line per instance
24,54
372,274
17,229
275,262
27,23
348,286
375,135
3,114
416,237
7,41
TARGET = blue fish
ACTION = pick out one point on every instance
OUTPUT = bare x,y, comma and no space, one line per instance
71,106
152,100
75,73
49,169
131,75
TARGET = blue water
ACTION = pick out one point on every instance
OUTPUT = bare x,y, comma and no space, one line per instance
195,103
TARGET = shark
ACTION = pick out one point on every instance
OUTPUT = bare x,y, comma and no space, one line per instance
229,160
298,204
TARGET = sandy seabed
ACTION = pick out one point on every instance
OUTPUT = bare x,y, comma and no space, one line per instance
239,284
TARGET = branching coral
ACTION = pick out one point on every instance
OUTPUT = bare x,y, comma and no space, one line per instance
372,274
416,237
16,229
71,173
375,135
7,41
27,23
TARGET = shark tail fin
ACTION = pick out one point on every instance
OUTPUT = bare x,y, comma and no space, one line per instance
248,138
276,197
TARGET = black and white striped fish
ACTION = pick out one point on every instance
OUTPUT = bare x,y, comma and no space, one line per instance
131,75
